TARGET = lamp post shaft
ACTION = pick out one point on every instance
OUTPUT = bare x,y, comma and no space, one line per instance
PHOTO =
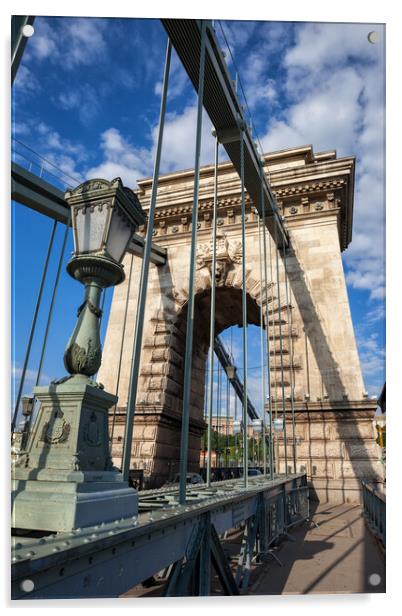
83,354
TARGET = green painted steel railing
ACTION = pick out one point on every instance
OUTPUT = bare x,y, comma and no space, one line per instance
374,504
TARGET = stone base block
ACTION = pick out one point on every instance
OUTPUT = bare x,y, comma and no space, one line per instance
336,448
335,491
42,505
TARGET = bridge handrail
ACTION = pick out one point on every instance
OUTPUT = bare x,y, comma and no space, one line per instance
374,508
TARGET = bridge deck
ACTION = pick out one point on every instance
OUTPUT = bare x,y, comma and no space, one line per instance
340,556
108,559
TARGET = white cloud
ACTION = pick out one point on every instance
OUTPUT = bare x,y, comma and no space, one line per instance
329,91
372,359
327,45
29,379
84,99
71,41
178,79
121,159
25,83
66,156
239,33
179,137
334,82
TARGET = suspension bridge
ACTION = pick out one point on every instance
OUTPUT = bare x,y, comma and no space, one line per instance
190,254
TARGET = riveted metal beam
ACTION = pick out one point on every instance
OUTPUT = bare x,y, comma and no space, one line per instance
107,560
18,40
225,110
235,381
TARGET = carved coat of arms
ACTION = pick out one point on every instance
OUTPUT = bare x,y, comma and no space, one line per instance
56,430
92,432
227,253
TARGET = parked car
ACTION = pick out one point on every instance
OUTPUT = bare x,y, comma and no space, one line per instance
191,478
252,472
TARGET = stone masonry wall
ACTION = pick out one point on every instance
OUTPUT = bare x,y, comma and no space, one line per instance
320,356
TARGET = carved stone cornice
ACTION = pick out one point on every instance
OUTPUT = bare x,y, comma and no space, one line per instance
307,188
293,174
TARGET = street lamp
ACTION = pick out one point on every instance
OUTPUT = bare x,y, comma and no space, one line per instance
104,218
68,464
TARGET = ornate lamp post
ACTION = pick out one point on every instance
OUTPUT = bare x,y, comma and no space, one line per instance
67,463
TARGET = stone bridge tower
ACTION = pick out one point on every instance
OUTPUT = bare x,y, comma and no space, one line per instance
334,431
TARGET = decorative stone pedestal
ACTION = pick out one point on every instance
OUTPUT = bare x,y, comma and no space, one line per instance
66,478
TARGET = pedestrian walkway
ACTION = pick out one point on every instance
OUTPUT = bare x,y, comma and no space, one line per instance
338,556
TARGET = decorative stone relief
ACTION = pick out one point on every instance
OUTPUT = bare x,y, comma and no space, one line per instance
92,431
57,430
226,254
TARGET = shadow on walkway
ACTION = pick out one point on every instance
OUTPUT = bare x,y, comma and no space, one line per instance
340,556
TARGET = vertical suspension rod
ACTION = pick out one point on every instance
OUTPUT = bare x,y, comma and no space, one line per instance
100,321
264,443
268,344
33,326
52,301
244,309
212,314
190,306
123,335
281,352
139,323
274,345
218,415
49,317
290,343
227,452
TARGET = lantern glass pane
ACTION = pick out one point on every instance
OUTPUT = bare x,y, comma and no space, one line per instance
119,234
90,228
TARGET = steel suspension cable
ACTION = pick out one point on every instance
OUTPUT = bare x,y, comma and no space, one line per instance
244,309
49,319
274,346
52,301
267,338
191,295
33,326
139,322
218,415
264,443
290,343
281,351
227,420
212,312
100,323
123,335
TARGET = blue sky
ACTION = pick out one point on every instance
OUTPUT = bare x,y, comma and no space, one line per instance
87,99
